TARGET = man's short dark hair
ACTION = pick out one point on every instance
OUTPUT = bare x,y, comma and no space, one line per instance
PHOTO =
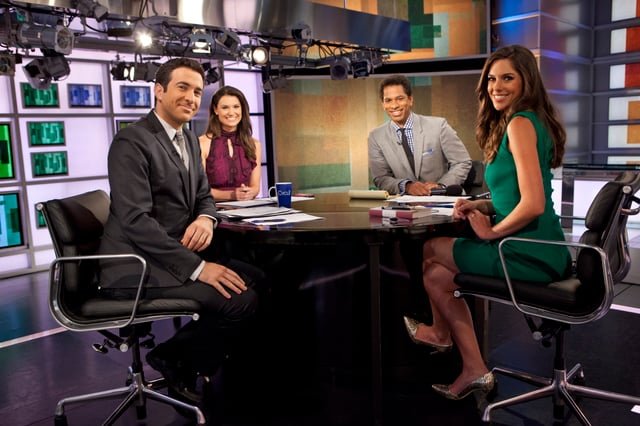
163,75
395,80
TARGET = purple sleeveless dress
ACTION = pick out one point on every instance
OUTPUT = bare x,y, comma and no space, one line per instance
225,172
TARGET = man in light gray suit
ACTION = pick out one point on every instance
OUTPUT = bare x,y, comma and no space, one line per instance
413,154
161,209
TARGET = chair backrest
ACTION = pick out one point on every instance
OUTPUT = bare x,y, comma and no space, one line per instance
606,223
474,184
76,225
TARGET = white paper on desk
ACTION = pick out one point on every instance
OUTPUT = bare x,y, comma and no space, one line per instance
442,199
282,219
257,202
246,203
259,211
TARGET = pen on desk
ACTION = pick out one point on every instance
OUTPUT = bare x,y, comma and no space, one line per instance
277,220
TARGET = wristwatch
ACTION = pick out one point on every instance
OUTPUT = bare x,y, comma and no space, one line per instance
442,185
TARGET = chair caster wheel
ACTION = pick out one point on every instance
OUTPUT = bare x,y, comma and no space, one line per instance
60,420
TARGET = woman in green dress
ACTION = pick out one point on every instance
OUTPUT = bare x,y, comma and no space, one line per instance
522,140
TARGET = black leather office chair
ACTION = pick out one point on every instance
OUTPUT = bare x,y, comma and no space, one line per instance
76,226
474,184
602,260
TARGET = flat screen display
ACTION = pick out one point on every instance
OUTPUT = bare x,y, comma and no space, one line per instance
85,95
10,225
121,124
49,163
39,98
6,155
135,96
45,133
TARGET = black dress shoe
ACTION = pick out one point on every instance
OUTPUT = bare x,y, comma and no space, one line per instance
180,379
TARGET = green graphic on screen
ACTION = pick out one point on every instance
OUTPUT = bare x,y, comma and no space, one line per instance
45,133
6,156
39,98
10,229
49,163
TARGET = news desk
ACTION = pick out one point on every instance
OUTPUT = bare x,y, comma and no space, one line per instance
345,231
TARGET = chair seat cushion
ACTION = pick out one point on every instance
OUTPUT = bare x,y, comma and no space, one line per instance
565,296
120,309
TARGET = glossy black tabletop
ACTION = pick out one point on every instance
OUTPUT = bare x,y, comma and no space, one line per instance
340,214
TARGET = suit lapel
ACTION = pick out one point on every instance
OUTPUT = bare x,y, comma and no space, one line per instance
418,144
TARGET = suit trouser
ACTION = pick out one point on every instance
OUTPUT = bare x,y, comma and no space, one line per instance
203,343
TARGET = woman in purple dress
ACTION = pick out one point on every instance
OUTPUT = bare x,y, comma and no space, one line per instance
230,153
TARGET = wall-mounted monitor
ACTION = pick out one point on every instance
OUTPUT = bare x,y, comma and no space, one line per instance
42,133
85,95
10,220
121,124
49,163
135,96
6,155
39,98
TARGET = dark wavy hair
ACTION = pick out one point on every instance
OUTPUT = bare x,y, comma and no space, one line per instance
164,73
492,124
245,131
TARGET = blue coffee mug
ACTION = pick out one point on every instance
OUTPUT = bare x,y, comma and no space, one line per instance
283,192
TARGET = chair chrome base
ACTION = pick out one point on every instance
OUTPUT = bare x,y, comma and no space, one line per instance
559,388
136,393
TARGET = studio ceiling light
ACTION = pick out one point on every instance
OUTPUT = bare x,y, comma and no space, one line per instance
361,68
229,40
273,83
211,73
41,71
339,69
59,39
200,41
7,63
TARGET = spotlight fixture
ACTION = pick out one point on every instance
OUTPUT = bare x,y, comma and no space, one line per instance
301,33
138,71
143,71
273,83
91,9
144,39
7,64
58,38
260,55
229,40
201,41
255,55
361,68
121,70
211,73
41,71
339,69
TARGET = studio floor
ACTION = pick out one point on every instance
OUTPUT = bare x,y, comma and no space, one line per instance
41,363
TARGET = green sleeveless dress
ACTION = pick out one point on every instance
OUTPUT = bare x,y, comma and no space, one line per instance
526,261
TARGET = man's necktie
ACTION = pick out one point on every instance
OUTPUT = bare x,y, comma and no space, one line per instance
183,149
407,149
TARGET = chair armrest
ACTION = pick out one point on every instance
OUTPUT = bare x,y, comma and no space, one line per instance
56,284
606,270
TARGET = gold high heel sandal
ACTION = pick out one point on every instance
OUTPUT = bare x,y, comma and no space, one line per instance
483,385
412,329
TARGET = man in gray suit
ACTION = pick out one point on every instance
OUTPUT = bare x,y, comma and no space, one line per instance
161,209
413,154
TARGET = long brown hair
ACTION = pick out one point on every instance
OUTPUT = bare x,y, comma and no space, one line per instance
245,131
492,124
